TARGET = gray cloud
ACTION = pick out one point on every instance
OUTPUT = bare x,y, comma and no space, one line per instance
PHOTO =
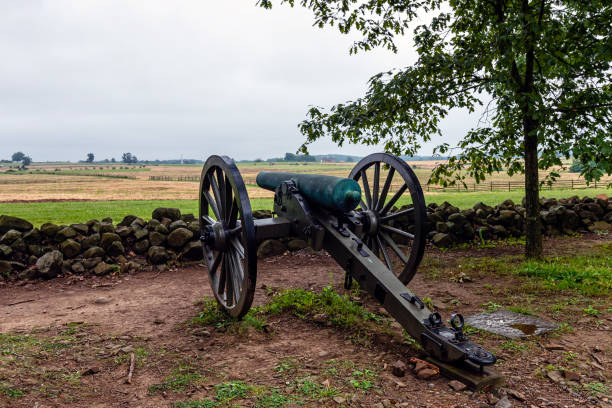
161,79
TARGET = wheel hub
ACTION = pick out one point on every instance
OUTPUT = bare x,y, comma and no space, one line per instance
215,236
370,222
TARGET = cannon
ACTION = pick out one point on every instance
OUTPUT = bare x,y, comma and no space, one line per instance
355,219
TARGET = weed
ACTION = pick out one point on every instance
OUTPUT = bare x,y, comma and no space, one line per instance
10,392
491,306
179,380
513,346
231,390
286,365
271,399
589,311
569,356
596,387
206,403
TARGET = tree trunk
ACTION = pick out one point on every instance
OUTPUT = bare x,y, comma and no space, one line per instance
533,233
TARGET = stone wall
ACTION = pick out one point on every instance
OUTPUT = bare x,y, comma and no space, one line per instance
97,247
100,247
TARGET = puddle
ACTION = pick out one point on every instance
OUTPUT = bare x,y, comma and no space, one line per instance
510,324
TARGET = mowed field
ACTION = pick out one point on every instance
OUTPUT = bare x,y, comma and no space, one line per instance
68,193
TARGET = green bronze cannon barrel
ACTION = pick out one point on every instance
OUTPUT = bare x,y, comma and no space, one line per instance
334,193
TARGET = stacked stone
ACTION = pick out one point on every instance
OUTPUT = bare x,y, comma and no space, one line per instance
447,225
97,247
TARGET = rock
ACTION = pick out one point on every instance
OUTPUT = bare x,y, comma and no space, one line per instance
571,376
103,269
78,268
193,251
270,247
50,264
35,250
94,252
442,227
177,224
65,233
140,247
49,229
179,237
297,244
156,239
339,400
600,226
107,239
152,224
32,236
82,229
138,223
398,368
172,213
19,245
194,226
91,262
91,241
162,229
106,227
548,217
5,268
107,220
140,233
102,301
503,403
70,248
499,230
555,376
116,248
10,236
29,273
90,371
127,220
457,218
8,222
188,218
442,240
5,251
426,373
123,231
158,255
457,385
516,394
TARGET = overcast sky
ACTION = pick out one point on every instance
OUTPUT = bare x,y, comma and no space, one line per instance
163,78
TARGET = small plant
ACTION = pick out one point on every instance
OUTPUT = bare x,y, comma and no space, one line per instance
569,356
590,311
491,306
231,390
596,387
513,346
196,404
180,379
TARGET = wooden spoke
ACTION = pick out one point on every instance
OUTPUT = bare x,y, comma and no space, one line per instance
393,199
385,254
238,247
208,220
229,281
212,204
385,190
397,231
229,200
222,276
218,198
366,189
394,247
237,274
376,185
212,268
233,217
396,214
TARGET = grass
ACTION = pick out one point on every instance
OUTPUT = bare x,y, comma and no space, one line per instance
181,378
70,212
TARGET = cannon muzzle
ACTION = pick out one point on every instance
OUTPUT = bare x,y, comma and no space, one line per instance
333,193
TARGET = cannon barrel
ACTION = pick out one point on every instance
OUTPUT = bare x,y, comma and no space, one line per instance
334,193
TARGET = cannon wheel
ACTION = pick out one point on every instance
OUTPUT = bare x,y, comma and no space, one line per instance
380,225
228,235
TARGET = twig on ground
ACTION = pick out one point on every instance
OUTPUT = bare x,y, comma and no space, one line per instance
131,371
20,302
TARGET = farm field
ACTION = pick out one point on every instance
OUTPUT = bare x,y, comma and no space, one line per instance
68,193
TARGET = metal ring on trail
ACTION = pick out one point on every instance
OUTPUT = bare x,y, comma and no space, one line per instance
228,235
383,230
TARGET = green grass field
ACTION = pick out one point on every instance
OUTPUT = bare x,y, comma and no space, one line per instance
69,212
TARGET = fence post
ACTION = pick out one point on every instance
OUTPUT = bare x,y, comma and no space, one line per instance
508,186
572,184
491,183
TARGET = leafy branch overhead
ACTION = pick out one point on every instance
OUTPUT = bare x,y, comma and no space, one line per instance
536,69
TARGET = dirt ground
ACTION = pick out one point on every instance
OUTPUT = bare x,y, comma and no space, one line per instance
68,341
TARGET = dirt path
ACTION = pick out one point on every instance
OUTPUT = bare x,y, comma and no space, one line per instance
144,312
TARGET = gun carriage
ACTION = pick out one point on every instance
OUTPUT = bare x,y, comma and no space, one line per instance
354,220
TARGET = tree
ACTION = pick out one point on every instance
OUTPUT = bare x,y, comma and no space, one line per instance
90,158
539,69
18,156
26,161
128,158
